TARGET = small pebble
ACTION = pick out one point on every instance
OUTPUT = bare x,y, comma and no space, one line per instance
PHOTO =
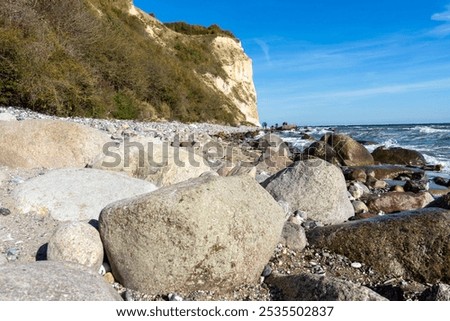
175,297
4,211
109,278
356,265
267,271
12,254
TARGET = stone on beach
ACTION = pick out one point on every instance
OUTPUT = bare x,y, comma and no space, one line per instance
76,242
382,172
311,287
76,194
392,202
349,151
209,233
411,245
53,281
313,186
48,143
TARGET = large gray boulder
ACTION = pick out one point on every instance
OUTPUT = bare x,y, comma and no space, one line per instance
153,161
398,155
413,245
53,281
348,150
76,242
313,186
209,233
311,287
76,194
49,143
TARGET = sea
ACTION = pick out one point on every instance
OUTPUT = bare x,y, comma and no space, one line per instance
432,140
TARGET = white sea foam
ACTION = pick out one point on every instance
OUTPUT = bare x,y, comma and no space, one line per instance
431,130
434,160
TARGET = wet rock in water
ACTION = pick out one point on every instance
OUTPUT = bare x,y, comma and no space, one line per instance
76,194
49,144
310,287
411,245
441,202
209,233
441,181
76,242
53,281
349,151
439,292
416,186
399,156
4,211
313,186
392,202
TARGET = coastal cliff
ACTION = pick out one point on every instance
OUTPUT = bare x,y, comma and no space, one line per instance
109,59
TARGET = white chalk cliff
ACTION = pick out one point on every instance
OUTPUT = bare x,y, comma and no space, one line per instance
237,86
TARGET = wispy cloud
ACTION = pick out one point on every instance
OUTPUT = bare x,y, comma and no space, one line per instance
444,17
265,49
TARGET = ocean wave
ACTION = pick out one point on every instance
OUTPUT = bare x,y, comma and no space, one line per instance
434,160
431,130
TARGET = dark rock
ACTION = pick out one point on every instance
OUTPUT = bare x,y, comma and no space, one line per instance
416,186
438,292
413,245
323,151
310,287
389,291
441,202
4,211
398,155
349,151
441,181
307,137
392,202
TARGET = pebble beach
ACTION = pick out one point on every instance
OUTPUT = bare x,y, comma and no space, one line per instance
262,221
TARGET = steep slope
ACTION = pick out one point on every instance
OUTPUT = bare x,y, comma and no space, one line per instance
106,58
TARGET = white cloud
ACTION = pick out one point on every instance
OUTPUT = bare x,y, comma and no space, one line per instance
265,49
444,17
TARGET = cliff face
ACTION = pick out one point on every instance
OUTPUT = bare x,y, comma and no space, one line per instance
237,82
107,58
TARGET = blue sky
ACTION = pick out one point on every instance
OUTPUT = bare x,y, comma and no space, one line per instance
328,62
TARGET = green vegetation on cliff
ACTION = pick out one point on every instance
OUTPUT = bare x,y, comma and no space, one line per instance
92,58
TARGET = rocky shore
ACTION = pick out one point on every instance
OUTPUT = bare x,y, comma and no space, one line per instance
121,210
